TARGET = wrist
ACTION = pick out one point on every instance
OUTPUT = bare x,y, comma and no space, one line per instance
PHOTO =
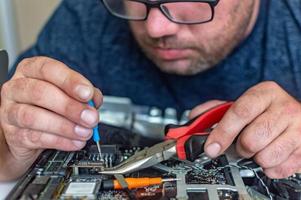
3,156
6,159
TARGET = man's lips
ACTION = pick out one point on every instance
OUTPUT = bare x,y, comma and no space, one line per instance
170,54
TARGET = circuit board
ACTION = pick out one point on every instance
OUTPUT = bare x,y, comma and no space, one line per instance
63,175
75,175
127,128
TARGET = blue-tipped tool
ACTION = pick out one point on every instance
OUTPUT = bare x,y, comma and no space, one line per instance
96,136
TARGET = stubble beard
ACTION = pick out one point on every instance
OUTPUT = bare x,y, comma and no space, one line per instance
208,55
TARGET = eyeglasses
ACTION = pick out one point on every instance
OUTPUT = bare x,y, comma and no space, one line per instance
177,11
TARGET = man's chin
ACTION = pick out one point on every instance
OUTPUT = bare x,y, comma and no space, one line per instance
179,67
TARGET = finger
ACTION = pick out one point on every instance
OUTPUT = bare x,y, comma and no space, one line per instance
57,73
204,107
97,98
261,132
279,150
241,113
42,140
286,168
46,95
35,118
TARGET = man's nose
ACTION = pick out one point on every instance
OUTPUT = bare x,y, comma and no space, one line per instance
157,25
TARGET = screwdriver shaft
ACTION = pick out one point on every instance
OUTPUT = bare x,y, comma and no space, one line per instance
98,147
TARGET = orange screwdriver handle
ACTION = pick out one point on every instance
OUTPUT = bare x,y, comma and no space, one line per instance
138,182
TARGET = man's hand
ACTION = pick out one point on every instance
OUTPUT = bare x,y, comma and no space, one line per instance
43,106
267,121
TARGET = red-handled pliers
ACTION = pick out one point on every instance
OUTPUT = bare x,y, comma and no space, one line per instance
186,141
198,126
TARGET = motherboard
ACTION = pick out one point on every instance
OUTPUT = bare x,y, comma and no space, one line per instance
77,175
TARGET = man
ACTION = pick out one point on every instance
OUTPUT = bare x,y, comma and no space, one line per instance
182,55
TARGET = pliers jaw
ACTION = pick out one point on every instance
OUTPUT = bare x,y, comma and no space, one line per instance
186,141
146,158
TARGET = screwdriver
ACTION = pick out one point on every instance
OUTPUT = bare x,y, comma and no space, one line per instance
96,136
135,183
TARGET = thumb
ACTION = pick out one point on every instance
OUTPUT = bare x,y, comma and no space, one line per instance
204,107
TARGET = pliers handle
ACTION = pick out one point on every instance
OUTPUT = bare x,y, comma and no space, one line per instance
191,136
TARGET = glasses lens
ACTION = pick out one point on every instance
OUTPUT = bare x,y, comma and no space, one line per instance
188,12
127,9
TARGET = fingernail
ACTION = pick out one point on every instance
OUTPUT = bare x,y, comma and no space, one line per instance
213,150
82,132
89,117
79,144
83,91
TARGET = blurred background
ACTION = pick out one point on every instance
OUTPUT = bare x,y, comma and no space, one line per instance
21,21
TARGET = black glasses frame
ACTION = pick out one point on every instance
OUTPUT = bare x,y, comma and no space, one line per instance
157,4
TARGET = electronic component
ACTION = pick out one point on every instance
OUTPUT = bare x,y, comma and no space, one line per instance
84,190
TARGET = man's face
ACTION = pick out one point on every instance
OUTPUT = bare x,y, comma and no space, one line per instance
190,49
